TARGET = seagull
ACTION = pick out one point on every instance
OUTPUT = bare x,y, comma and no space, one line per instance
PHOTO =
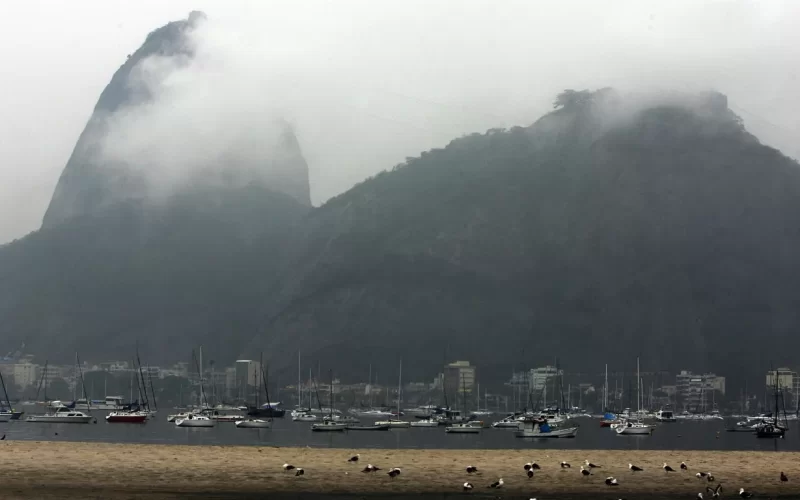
288,467
701,475
468,486
784,478
634,468
591,465
667,468
299,472
530,473
354,458
699,496
709,477
684,466
471,469
394,472
715,492
370,468
528,466
565,465
612,481
535,466
585,472
745,494
497,484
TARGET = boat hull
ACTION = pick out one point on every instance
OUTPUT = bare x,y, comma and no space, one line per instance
394,424
368,427
5,417
634,431
567,433
425,423
253,424
462,429
59,420
328,427
266,412
127,419
194,422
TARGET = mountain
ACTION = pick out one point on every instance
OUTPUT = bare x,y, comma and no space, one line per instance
90,182
613,227
616,226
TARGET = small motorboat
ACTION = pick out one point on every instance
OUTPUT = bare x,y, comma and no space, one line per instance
328,426
462,429
195,421
62,416
539,428
634,429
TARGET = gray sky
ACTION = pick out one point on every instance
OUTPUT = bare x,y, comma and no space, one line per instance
367,83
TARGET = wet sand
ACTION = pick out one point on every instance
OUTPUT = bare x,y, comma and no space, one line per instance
127,471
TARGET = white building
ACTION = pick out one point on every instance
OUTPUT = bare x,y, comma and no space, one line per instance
543,375
784,378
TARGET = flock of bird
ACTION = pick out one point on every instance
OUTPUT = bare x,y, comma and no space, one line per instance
585,470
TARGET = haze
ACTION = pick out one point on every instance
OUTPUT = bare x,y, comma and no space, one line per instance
366,83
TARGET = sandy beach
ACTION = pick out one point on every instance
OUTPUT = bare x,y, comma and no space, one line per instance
33,469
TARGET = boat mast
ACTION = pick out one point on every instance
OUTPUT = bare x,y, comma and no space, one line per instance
299,396
399,387
605,392
5,391
369,384
83,384
639,384
152,390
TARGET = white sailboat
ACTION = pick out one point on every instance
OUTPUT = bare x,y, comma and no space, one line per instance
635,427
463,427
396,423
329,424
195,421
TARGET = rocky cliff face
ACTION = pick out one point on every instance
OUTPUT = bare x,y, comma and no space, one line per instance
90,182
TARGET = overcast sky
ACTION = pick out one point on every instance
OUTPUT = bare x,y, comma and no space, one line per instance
375,81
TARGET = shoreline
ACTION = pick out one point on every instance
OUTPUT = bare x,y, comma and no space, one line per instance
46,469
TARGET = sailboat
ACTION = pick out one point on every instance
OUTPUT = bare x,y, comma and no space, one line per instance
63,414
6,411
396,423
197,419
773,428
257,423
329,424
635,427
463,427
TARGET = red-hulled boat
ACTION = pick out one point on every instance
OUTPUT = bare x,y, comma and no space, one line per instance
128,417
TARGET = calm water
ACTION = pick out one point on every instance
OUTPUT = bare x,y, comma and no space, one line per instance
681,436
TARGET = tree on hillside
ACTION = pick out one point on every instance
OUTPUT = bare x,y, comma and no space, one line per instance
572,98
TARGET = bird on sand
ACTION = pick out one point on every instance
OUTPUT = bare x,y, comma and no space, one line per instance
745,494
497,484
565,465
468,486
370,468
612,481
471,469
784,478
715,492
591,465
299,472
530,473
354,458
585,472
635,468
288,467
667,468
394,472
684,466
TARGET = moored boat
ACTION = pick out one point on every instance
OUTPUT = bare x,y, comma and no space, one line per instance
328,426
426,422
253,423
128,417
62,416
394,423
634,428
462,429
195,421
374,427
539,428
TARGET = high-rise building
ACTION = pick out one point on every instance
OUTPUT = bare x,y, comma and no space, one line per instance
784,378
459,377
699,392
543,375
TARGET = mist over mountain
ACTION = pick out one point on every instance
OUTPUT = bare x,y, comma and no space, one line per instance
618,225
155,130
